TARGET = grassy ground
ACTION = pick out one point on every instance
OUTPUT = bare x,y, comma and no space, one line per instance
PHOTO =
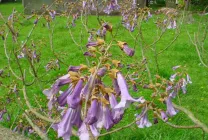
182,52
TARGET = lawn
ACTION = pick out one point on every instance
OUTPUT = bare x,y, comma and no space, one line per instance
182,52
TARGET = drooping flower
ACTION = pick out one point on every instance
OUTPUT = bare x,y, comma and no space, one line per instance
77,120
74,68
173,94
34,54
143,119
172,25
112,6
84,4
55,89
85,90
83,133
116,87
107,27
93,111
89,54
96,43
101,72
62,99
21,55
149,15
2,113
170,109
52,13
124,46
188,79
116,113
74,99
172,77
105,118
126,98
183,87
176,67
64,128
134,4
77,68
88,5
164,116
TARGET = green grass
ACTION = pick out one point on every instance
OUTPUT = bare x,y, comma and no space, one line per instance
182,52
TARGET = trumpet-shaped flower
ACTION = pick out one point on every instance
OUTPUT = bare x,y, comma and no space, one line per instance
170,109
83,133
116,113
143,119
92,115
70,118
74,99
126,98
62,99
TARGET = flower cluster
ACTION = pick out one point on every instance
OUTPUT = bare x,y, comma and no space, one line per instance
103,109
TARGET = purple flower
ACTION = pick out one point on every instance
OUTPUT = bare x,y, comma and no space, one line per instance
143,122
127,50
8,117
96,43
101,72
172,77
173,94
149,15
170,109
134,4
105,118
62,99
85,90
74,99
21,55
64,128
74,68
103,32
176,67
34,54
116,87
126,99
2,113
188,78
90,37
52,13
164,116
89,54
84,134
112,6
124,46
172,25
76,120
116,113
92,115
36,21
183,87
84,4
55,89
